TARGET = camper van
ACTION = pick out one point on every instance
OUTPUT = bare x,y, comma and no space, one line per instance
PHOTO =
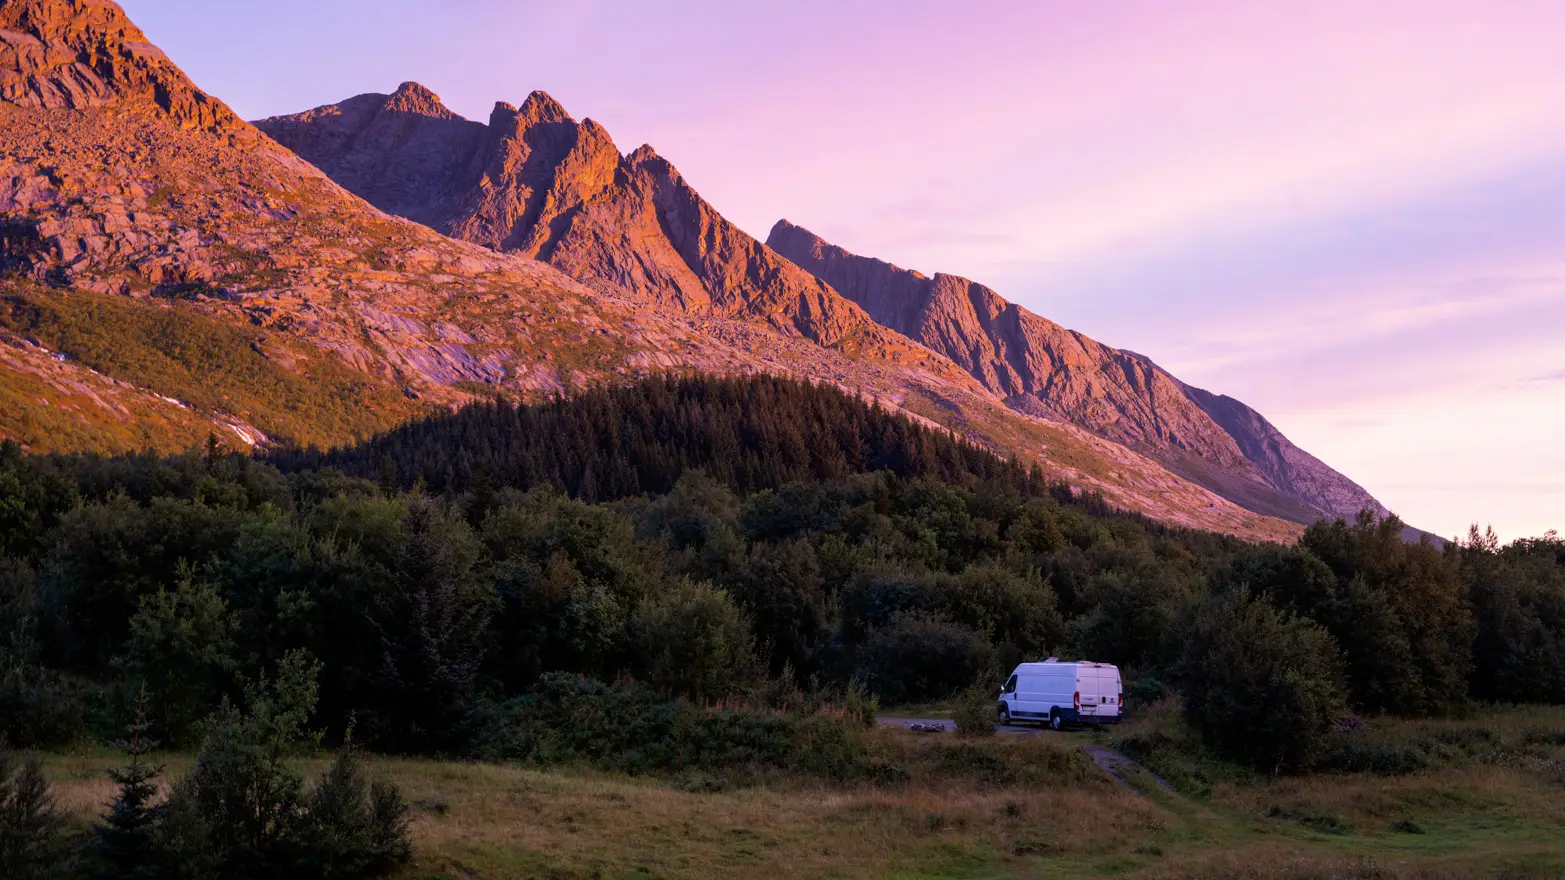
1058,694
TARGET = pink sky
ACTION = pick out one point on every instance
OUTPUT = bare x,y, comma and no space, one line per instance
1349,215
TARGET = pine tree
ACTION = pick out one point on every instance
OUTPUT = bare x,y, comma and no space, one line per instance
125,842
29,823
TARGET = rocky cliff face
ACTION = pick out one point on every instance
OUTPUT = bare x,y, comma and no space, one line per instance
536,182
404,154
1288,467
1040,367
78,54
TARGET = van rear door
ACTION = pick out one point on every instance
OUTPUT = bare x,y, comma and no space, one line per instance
1099,687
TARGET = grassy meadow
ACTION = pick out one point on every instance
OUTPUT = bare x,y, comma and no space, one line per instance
1490,801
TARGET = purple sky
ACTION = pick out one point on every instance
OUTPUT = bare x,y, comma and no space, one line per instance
1349,215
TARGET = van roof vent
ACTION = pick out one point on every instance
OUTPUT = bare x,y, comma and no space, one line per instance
1052,660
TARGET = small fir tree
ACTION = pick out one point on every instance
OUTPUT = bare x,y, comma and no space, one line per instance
29,823
126,843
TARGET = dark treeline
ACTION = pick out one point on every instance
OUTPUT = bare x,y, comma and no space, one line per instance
755,433
911,568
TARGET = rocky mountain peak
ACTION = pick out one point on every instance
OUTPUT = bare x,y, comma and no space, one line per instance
412,97
647,160
540,107
539,119
796,239
536,182
79,54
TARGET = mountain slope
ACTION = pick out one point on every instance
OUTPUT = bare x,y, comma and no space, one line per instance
166,270
1039,366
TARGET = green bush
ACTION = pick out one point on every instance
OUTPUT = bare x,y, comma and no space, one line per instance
1161,740
1262,686
1391,748
630,728
975,711
1357,753
41,708
181,649
354,826
922,658
694,640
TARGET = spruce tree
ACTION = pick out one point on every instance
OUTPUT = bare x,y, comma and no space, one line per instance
29,823
125,843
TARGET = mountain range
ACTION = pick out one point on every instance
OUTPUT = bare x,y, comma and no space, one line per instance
167,270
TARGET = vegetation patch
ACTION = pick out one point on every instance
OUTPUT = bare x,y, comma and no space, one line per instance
653,632
175,350
629,728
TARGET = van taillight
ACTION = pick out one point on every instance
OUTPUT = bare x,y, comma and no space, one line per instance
1121,700
1077,700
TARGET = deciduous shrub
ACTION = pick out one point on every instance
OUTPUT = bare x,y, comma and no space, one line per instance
41,708
975,711
1262,686
1161,739
694,640
922,658
631,728
1389,747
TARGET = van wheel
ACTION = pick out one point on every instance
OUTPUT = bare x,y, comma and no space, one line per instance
1056,720
1005,715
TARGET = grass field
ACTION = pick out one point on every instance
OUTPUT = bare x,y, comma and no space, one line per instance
975,809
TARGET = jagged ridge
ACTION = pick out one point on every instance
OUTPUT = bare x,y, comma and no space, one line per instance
1039,366
536,182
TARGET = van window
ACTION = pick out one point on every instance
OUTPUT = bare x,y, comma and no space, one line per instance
1010,686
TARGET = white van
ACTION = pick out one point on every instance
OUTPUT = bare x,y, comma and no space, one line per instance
1058,694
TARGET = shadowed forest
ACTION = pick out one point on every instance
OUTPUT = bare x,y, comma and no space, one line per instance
692,576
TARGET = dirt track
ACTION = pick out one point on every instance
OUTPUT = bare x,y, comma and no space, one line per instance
1112,763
